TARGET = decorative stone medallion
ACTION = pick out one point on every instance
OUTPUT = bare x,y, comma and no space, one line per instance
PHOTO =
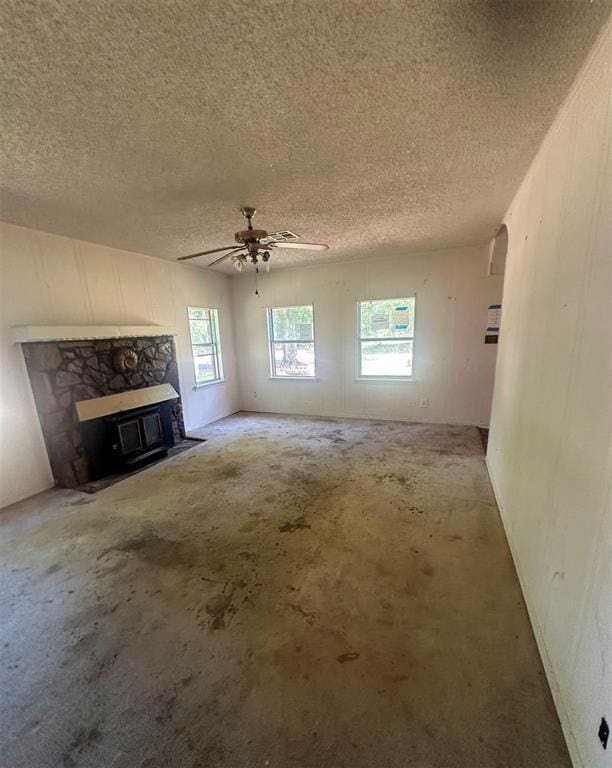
125,359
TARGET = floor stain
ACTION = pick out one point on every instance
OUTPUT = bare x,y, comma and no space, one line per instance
299,610
335,436
80,502
165,703
402,480
344,657
156,550
228,472
85,738
300,523
100,667
218,607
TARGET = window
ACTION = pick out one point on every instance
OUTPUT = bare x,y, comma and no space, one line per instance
386,337
204,330
291,332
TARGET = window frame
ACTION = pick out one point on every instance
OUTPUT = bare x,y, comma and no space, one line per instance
215,344
272,341
391,376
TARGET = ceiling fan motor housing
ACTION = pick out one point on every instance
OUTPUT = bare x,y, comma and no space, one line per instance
250,235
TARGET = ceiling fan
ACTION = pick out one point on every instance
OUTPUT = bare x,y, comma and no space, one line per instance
255,244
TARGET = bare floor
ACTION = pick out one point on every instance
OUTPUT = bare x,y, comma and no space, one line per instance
294,592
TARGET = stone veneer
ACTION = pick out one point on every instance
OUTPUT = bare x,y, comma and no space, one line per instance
63,372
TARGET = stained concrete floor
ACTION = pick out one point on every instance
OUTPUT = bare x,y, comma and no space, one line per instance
293,592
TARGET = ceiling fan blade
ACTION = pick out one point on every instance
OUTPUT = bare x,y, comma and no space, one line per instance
233,252
284,235
206,253
303,246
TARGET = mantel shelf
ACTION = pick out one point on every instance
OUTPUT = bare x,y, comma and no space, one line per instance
98,407
24,334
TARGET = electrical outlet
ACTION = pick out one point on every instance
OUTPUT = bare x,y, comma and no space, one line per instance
424,402
604,733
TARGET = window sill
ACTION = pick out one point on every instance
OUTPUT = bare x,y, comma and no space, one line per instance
205,384
293,378
391,379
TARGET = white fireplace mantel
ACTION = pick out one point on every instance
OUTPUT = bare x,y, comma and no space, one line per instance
97,407
24,334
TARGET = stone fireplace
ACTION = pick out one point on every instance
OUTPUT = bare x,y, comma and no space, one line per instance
64,372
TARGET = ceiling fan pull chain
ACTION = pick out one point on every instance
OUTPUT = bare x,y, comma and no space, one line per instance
256,274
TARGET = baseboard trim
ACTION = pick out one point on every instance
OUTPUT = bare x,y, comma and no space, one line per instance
566,726
361,417
188,432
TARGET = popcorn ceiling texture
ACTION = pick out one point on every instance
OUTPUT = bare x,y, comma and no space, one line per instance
378,127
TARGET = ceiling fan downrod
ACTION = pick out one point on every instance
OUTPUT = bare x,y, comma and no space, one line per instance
248,214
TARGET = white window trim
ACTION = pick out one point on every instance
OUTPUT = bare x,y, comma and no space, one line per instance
386,379
210,383
273,376
391,377
216,344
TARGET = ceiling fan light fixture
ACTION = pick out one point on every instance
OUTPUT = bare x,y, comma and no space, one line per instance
238,263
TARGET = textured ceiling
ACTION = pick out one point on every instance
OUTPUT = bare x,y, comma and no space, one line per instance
376,126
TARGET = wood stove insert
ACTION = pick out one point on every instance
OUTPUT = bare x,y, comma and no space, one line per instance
128,440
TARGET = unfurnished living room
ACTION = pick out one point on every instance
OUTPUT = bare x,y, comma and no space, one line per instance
306,384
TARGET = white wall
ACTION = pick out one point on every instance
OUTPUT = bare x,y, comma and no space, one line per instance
453,367
49,280
550,455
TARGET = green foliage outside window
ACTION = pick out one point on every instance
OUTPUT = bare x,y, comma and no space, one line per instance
386,333
291,332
